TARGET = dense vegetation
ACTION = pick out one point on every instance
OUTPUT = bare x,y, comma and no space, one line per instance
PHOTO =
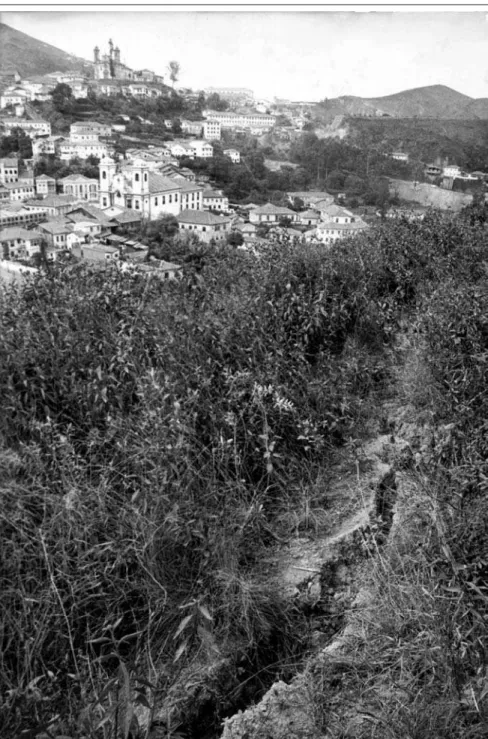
154,435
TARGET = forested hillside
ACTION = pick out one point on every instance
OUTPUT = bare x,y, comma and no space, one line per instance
156,440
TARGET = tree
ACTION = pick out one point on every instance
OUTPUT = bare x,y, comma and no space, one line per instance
63,99
215,102
158,231
17,143
174,71
235,238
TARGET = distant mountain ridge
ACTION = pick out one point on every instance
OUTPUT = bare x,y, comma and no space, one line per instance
26,55
433,101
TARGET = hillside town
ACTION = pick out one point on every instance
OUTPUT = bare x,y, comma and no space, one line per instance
243,372
84,189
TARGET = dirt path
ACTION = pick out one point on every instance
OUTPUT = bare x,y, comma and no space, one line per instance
351,492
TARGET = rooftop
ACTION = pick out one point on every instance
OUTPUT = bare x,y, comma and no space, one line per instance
53,201
9,162
160,183
78,178
201,217
56,227
10,234
273,209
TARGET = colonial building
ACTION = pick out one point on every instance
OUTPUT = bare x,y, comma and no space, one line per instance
269,213
18,243
109,66
135,186
338,223
53,205
68,150
191,195
83,131
215,200
45,185
212,130
14,96
254,121
31,128
9,170
201,148
20,190
206,226
16,214
81,187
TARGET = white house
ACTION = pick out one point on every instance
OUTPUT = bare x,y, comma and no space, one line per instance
201,148
338,223
45,185
20,190
9,170
233,154
212,130
80,186
19,243
206,226
270,213
68,150
31,128
400,156
15,96
451,170
215,200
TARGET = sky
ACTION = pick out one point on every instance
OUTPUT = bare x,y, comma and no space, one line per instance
308,54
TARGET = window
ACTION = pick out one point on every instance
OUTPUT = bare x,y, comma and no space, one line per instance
163,199
204,228
145,176
170,198
104,175
136,177
136,204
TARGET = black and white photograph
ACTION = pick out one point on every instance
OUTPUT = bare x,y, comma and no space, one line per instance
243,371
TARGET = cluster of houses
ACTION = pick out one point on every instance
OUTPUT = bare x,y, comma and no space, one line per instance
321,222
39,88
443,171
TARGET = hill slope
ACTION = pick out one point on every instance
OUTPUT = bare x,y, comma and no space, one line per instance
27,55
434,101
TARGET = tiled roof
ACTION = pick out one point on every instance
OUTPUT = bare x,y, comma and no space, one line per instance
90,211
355,226
274,209
9,234
77,178
56,227
45,177
336,211
53,201
9,162
212,194
309,214
126,216
159,183
201,218
189,186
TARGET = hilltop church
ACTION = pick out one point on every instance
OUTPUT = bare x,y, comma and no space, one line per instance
109,66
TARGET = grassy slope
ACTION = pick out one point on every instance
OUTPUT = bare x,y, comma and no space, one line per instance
28,56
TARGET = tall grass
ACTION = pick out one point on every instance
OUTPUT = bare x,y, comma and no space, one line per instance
153,438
